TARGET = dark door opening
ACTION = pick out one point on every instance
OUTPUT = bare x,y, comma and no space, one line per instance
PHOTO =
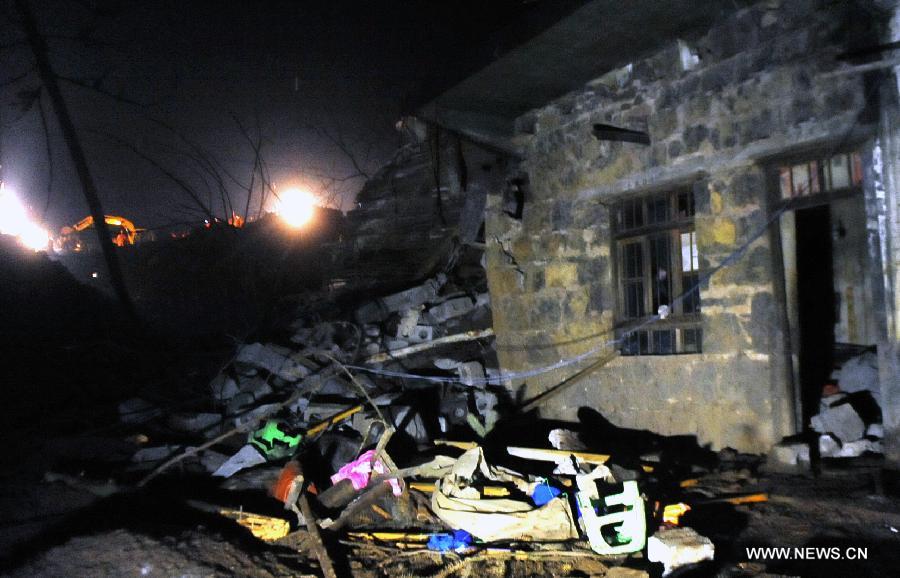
816,301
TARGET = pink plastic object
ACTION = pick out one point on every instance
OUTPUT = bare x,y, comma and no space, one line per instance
359,470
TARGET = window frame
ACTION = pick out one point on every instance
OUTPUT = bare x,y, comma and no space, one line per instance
637,231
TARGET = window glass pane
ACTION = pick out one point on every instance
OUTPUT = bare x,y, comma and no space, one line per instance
630,344
664,341
633,261
634,299
840,172
658,209
690,303
631,215
685,204
814,177
690,260
800,179
690,340
643,342
786,188
660,270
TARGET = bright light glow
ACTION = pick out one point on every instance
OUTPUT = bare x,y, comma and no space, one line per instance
14,220
296,206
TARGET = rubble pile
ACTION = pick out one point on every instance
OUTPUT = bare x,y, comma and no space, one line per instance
848,424
379,433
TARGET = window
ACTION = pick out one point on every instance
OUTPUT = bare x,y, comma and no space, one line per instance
839,172
656,248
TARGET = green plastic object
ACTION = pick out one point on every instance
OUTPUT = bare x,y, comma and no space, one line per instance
629,525
274,442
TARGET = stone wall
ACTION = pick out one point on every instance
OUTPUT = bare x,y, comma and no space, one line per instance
718,112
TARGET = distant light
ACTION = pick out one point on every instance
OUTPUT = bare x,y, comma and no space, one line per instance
14,220
94,275
296,207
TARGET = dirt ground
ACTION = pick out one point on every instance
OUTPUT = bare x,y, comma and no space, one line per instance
154,533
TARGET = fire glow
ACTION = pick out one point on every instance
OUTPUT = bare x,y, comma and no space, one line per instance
14,220
296,207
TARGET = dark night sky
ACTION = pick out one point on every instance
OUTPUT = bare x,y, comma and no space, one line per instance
344,66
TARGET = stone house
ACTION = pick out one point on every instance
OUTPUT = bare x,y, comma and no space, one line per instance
710,210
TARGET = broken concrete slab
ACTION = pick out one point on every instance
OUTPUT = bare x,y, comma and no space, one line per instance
273,359
790,454
471,373
154,454
859,447
378,310
137,410
194,422
450,309
677,547
223,388
840,420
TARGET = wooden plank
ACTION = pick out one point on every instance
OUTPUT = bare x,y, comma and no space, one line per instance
545,455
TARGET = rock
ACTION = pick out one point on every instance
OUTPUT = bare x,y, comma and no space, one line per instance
193,423
154,454
677,547
840,420
860,373
254,413
875,430
408,321
276,360
829,446
256,387
223,388
137,410
859,447
471,373
790,454
420,334
212,460
450,309
379,309
445,363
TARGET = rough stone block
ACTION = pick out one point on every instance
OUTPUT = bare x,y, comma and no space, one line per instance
451,308
677,547
842,421
561,274
137,410
273,359
471,373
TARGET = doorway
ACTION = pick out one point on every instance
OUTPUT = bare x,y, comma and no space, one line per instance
815,304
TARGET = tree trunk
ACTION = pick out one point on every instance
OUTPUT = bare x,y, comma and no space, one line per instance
48,78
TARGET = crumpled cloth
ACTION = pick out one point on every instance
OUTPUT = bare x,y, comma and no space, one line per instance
360,470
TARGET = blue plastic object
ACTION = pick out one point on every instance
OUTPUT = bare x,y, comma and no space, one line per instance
444,542
543,493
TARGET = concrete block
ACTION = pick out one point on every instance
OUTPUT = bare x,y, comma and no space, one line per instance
276,360
471,373
790,454
842,421
859,447
154,454
137,410
451,308
408,299
223,388
194,422
677,547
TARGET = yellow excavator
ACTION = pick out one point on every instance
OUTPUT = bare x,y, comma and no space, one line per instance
122,232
